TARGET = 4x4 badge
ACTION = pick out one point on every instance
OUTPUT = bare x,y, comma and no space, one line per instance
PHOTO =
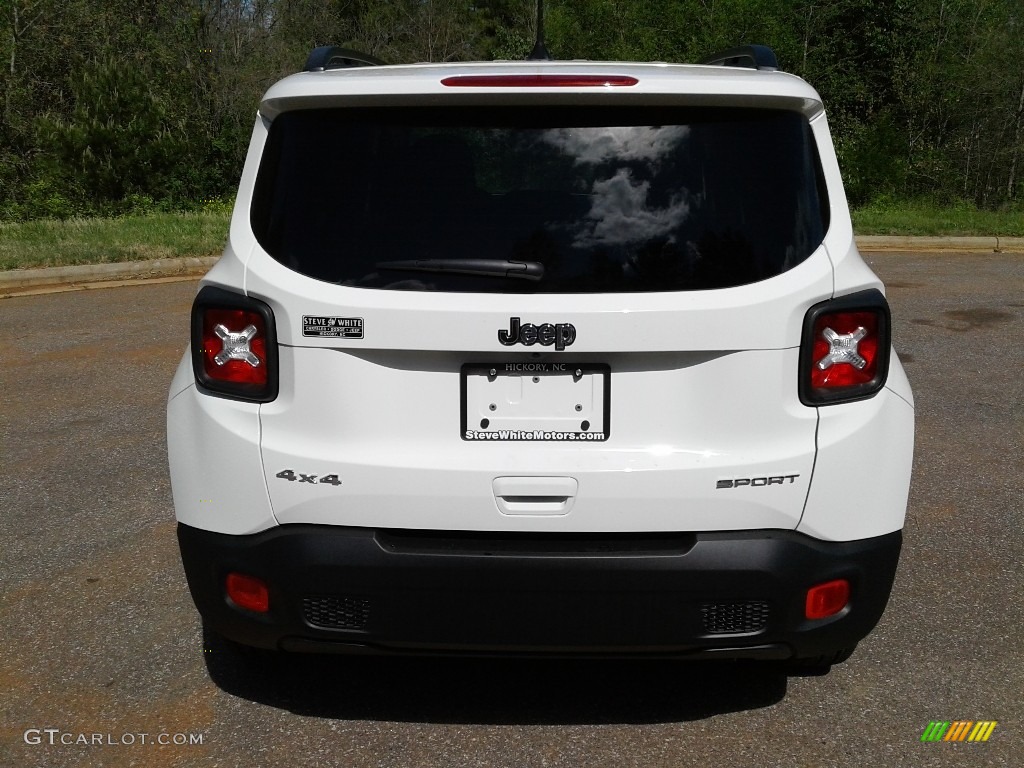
562,335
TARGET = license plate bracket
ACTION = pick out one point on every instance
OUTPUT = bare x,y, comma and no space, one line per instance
536,401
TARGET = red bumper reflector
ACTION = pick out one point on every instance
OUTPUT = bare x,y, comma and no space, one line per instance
538,81
247,592
827,599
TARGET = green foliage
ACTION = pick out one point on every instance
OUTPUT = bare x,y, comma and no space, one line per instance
42,198
873,155
120,144
112,106
510,45
887,215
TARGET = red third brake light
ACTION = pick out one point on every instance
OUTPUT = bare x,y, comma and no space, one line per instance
538,81
844,354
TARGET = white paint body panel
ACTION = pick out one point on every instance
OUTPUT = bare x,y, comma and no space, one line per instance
766,315
387,423
213,447
862,473
703,384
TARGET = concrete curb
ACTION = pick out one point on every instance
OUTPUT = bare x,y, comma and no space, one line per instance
22,281
991,244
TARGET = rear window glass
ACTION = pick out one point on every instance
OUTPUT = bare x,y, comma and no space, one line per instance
540,200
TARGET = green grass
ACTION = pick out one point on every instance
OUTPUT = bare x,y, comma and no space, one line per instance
923,218
50,243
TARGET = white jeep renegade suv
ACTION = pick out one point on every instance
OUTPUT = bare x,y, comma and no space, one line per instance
542,357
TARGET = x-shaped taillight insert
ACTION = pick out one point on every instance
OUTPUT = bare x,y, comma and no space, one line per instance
843,348
235,345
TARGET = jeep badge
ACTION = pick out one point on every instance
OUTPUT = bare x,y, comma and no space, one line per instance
562,335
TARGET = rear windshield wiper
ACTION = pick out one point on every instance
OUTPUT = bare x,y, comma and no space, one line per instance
524,270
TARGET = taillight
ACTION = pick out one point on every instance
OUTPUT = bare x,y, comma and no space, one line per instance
234,346
844,354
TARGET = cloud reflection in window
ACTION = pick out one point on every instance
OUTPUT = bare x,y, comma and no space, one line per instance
619,212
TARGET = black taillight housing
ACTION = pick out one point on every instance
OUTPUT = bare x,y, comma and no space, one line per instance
234,346
844,352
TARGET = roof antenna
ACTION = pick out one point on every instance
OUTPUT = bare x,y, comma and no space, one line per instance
539,52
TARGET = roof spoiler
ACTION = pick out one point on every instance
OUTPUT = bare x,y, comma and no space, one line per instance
746,56
332,57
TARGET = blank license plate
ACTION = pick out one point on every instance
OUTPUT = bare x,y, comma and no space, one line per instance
536,401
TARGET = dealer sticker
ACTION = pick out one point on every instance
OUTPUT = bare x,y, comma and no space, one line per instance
332,327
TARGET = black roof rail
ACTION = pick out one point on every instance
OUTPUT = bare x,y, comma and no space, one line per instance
332,57
747,56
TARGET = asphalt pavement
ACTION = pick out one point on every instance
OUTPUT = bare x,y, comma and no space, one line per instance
104,656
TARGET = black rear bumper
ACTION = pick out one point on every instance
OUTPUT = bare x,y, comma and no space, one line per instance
727,594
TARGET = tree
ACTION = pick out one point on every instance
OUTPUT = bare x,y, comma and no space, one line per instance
922,97
121,141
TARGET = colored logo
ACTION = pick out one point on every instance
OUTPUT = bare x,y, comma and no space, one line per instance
958,730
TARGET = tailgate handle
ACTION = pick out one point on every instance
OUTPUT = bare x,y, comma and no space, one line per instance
534,495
